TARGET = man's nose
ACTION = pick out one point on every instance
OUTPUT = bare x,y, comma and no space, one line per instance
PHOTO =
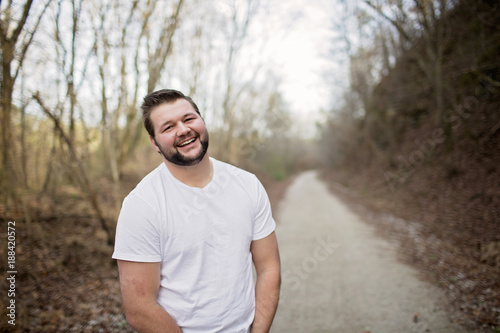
182,129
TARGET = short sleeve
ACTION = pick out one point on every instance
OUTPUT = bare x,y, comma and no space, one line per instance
264,223
137,232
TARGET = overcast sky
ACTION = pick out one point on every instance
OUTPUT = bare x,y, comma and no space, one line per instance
297,48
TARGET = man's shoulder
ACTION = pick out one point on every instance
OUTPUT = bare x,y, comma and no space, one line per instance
244,180
149,182
235,171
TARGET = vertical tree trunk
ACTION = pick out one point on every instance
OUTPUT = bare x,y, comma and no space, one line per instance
24,148
9,37
8,179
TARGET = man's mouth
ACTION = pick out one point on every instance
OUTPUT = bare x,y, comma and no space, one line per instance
186,142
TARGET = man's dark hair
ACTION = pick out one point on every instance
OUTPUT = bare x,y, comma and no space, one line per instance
159,97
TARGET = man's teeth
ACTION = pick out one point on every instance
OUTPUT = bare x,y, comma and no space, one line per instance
187,142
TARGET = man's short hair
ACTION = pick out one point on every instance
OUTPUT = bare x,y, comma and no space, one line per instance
159,97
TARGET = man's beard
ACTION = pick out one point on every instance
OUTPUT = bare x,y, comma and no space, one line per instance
174,156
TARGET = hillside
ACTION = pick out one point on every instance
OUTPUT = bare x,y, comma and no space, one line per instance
429,176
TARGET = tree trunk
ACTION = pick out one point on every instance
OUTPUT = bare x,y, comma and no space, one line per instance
8,179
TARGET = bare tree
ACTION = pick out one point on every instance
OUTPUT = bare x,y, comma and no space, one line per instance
238,31
16,36
156,60
81,173
428,26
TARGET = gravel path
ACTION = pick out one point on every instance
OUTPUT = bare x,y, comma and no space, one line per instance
339,277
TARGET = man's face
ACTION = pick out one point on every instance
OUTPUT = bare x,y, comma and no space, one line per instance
180,133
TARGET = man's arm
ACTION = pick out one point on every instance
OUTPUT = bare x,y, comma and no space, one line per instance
267,289
139,283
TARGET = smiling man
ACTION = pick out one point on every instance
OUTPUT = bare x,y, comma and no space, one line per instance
188,234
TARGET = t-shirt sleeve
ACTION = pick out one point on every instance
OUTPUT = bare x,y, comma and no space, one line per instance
137,232
264,223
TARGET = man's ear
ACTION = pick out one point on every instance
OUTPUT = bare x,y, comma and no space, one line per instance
153,142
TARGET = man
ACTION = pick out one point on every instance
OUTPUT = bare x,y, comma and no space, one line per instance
188,233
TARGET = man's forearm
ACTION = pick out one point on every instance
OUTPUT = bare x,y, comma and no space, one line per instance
267,290
153,319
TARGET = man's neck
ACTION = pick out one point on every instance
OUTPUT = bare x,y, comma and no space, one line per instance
198,175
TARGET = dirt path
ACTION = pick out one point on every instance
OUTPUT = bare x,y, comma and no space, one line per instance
339,277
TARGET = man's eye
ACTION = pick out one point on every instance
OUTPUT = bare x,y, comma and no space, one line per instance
167,128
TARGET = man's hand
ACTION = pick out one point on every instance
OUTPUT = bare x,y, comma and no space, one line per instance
267,289
139,283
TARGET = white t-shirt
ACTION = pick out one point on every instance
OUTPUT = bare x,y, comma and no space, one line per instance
202,238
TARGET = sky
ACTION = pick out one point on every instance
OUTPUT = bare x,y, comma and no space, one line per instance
297,48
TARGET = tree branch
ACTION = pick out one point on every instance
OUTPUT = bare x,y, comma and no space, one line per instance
400,29
22,22
26,45
85,183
